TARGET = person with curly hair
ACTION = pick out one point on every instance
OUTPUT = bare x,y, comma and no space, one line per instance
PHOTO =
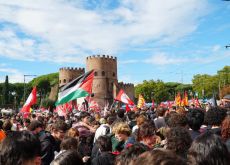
178,140
213,119
177,120
225,131
146,134
122,133
158,157
195,118
130,154
209,149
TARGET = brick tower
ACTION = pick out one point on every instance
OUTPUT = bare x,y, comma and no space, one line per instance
68,74
105,77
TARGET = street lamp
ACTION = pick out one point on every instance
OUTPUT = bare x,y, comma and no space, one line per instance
24,95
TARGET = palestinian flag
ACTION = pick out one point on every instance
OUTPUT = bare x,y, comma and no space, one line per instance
79,87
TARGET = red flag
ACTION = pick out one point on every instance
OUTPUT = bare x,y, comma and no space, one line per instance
122,96
30,101
127,108
153,104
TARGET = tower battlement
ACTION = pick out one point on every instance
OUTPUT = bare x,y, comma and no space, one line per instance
71,69
125,85
102,57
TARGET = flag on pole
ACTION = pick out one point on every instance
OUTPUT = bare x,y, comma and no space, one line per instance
127,108
153,104
123,97
185,99
178,99
141,101
30,101
79,87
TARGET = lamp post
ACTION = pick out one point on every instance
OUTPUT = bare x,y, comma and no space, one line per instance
24,94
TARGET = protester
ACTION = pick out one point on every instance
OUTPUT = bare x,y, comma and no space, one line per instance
208,148
178,140
158,157
70,157
130,154
104,154
46,140
20,148
195,118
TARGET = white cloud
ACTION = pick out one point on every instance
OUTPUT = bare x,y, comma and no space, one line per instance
127,79
68,31
162,58
128,62
216,48
14,75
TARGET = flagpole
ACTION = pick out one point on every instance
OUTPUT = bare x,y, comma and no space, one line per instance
111,105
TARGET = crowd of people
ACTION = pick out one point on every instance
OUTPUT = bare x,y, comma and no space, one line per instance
154,136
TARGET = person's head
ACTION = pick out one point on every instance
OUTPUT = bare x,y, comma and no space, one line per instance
122,131
140,120
20,148
146,134
104,143
7,125
69,143
111,119
59,129
26,122
214,116
69,157
195,118
130,153
131,115
208,149
73,132
178,140
33,116
181,111
120,113
84,117
158,157
160,112
225,128
35,127
177,120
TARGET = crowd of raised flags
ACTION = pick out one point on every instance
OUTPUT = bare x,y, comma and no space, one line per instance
81,87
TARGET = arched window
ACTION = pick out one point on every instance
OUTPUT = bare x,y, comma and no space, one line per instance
59,81
114,74
95,73
103,73
64,81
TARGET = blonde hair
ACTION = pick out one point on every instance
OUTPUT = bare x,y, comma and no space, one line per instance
121,128
72,132
140,120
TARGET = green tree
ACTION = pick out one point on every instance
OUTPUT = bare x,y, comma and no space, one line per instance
160,92
146,89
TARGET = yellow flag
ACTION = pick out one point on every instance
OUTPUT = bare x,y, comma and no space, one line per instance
141,101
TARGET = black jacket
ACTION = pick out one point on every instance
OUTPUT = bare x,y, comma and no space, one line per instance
47,147
105,158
